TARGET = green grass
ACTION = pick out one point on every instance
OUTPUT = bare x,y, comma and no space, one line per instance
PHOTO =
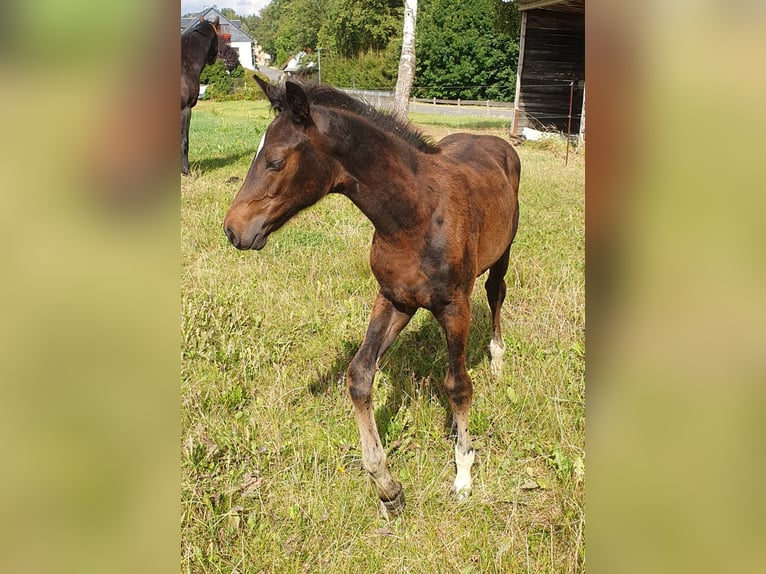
272,479
458,121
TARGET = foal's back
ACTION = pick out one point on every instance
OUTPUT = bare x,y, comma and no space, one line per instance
490,154
489,169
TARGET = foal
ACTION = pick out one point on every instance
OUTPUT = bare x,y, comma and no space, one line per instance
199,46
443,215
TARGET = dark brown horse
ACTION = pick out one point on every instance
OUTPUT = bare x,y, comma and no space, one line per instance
443,215
199,46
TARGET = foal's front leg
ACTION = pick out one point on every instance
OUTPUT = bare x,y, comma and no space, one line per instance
386,323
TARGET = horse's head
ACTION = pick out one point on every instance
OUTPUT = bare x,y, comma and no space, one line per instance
291,170
212,53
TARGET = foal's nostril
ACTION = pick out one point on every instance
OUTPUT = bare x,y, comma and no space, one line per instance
232,236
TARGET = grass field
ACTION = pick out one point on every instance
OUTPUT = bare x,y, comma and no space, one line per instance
271,467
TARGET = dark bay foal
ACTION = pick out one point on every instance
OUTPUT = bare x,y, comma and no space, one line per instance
443,214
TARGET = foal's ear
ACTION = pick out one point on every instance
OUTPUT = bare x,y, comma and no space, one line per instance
273,93
298,103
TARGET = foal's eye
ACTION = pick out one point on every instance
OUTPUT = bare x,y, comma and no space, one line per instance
275,165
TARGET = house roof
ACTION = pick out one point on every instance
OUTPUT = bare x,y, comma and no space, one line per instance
576,5
237,35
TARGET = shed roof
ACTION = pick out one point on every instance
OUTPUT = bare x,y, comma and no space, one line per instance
573,5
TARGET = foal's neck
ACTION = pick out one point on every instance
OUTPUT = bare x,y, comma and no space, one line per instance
385,187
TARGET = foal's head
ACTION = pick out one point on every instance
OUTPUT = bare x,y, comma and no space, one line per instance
292,170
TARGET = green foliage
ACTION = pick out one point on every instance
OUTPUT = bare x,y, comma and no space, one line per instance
355,27
466,50
299,26
371,70
229,13
461,53
506,18
227,86
348,28
266,27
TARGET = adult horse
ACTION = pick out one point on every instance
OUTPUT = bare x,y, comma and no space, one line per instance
199,46
443,214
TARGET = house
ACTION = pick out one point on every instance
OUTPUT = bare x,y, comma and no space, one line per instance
261,57
231,32
551,73
296,66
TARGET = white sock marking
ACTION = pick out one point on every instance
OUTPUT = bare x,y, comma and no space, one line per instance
462,485
496,352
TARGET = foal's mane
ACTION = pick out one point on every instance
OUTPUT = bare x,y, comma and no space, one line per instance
322,95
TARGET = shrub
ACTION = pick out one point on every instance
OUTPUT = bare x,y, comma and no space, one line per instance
226,86
372,70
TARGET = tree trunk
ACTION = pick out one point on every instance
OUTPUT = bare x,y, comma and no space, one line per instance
407,61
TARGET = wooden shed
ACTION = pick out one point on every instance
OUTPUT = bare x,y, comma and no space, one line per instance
551,63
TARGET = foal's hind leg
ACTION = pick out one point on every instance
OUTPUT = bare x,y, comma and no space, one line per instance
455,320
386,323
496,288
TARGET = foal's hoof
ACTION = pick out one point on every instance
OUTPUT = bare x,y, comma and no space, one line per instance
460,494
394,507
496,353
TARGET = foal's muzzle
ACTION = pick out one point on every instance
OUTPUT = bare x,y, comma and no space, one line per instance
232,235
245,241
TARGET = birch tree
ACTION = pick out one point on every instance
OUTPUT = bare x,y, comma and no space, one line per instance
407,61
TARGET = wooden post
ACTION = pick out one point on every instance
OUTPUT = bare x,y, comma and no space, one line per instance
519,71
581,139
569,123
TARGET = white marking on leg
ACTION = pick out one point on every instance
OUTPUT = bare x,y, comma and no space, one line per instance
373,455
496,351
462,486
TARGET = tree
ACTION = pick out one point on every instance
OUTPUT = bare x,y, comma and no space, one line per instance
353,27
267,27
463,54
299,25
407,60
229,13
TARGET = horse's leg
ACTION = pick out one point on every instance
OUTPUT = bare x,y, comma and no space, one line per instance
386,323
455,319
495,287
185,121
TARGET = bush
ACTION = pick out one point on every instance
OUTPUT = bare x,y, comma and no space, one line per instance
230,57
227,86
372,70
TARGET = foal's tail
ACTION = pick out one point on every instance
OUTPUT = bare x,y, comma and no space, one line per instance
513,172
513,169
